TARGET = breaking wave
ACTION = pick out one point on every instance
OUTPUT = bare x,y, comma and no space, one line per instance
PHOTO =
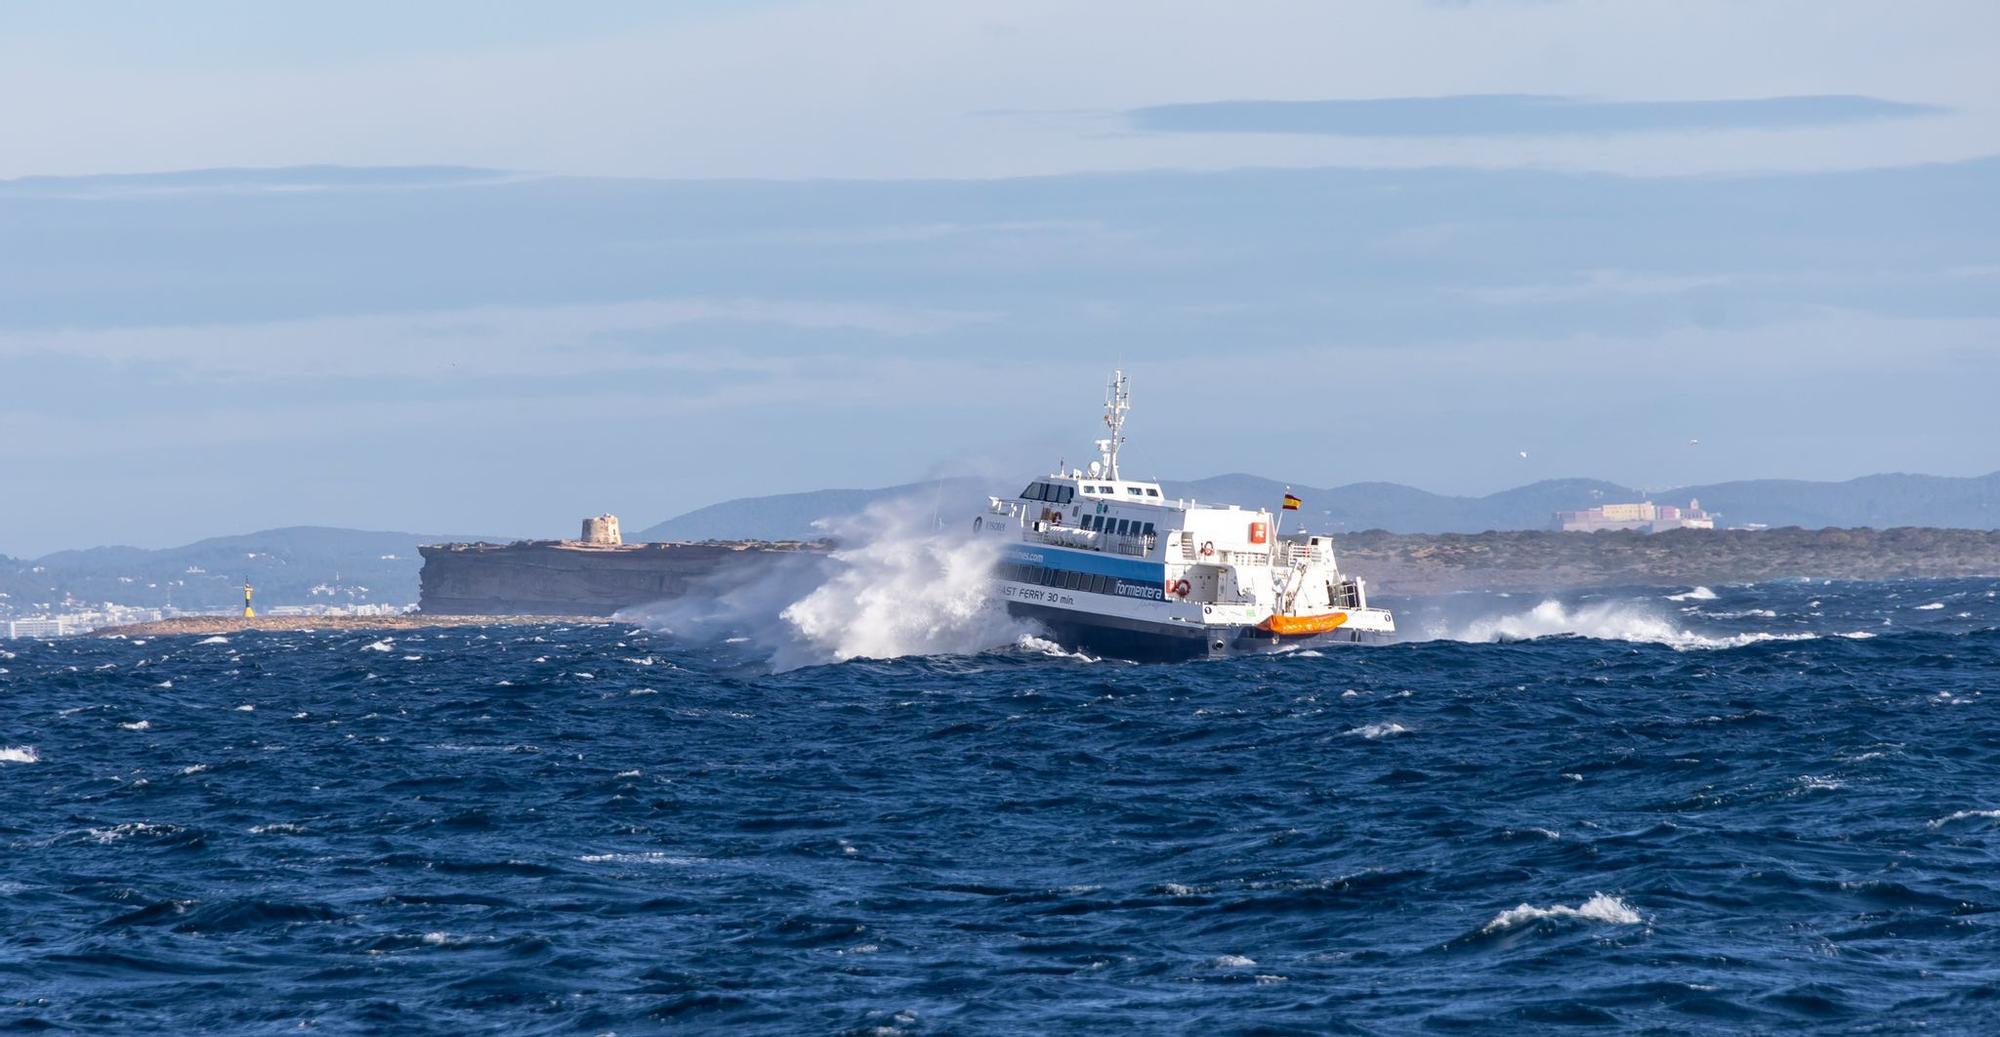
1599,908
1605,621
894,586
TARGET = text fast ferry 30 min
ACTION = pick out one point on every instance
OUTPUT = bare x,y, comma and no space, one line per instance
1111,565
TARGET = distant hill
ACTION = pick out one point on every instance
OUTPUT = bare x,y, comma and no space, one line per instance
1874,500
293,566
790,516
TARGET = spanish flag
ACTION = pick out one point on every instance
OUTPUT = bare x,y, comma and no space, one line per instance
1292,503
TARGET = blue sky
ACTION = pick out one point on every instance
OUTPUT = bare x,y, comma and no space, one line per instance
689,252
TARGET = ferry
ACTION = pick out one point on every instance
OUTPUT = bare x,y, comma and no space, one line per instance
1113,565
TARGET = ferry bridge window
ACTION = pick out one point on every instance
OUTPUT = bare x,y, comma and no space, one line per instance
1150,492
1065,494
1134,491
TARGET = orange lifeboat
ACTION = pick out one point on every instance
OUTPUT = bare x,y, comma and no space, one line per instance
1302,626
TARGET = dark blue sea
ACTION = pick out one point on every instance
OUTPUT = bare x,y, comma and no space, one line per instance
1740,809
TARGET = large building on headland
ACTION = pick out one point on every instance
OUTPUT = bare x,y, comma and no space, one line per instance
595,575
1644,516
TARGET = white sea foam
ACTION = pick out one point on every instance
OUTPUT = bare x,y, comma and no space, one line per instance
1858,635
19,754
194,768
216,640
117,832
1697,594
1374,731
1233,961
1932,607
246,708
1032,643
277,828
1609,621
1599,908
384,645
900,590
1966,815
139,725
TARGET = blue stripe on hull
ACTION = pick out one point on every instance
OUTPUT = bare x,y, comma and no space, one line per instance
1092,562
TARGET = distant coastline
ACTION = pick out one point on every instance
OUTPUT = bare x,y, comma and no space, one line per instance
216,625
1431,563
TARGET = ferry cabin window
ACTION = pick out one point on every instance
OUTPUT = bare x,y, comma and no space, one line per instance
1147,529
1134,491
1124,527
1151,492
1065,494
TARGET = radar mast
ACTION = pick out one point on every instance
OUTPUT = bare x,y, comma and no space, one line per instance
1117,402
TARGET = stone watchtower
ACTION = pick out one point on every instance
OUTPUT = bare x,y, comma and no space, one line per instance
602,529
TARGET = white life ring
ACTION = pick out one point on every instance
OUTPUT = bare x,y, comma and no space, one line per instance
1181,588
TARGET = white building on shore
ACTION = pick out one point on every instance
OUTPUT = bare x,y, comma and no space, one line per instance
1644,516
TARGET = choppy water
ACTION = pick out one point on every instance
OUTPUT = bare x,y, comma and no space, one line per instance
1715,813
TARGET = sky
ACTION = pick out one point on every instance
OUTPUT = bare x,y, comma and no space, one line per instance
486,267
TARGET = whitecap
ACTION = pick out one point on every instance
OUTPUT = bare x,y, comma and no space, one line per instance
1963,815
380,646
216,640
1232,961
1697,594
117,832
19,754
1599,908
1031,643
654,857
1858,635
246,708
194,768
1607,621
276,828
1932,607
139,725
1374,731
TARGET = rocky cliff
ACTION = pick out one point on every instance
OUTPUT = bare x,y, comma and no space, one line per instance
567,578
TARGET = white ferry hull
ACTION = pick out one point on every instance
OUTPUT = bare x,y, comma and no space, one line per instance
1152,639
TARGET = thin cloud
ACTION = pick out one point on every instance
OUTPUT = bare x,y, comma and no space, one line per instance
1517,115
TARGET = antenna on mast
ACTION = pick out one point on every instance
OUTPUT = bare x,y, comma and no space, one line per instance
1117,402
